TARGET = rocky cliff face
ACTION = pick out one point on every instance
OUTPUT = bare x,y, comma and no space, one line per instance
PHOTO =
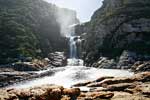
119,26
30,28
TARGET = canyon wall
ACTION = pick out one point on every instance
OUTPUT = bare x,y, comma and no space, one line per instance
118,33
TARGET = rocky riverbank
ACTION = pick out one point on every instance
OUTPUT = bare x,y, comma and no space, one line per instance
21,71
136,87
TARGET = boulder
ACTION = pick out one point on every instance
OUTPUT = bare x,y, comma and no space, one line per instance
72,92
57,59
104,62
95,95
126,60
141,66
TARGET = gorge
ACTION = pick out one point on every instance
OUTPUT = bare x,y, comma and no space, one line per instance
47,54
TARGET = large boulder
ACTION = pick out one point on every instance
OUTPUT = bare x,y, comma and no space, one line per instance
57,59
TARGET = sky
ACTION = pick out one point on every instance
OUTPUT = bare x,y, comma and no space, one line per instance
84,8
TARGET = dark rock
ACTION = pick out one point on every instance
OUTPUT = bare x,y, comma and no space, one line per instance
104,62
119,30
57,59
141,66
126,60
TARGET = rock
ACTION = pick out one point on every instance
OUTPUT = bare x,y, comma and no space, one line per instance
104,62
95,95
103,78
141,66
39,93
73,92
7,78
45,92
143,77
65,98
119,30
82,84
119,87
57,59
126,60
111,81
91,82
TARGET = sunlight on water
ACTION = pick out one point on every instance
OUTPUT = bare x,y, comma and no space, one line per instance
73,74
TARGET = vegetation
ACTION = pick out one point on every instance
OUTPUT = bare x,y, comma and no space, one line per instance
29,28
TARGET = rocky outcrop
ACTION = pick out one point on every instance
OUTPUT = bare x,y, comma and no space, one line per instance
119,30
23,71
112,88
119,88
57,59
46,92
141,66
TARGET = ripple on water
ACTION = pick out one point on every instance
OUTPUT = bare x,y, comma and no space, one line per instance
73,74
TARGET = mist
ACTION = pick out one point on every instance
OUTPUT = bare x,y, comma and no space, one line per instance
67,19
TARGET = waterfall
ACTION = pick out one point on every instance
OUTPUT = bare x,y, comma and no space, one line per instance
73,48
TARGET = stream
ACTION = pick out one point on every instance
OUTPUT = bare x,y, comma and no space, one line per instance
70,75
74,72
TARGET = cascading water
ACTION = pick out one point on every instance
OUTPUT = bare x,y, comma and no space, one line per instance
73,48
73,39
74,72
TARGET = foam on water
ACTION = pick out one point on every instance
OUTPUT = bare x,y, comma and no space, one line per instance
71,75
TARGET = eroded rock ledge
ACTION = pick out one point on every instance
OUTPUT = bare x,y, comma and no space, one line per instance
136,87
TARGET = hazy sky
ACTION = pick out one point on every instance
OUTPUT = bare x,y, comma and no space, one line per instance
84,8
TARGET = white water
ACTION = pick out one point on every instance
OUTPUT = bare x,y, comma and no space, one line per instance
74,73
71,75
73,47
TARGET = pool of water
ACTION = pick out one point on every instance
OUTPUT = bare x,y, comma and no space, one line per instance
70,75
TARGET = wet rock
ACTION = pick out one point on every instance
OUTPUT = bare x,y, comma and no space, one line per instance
104,62
103,78
141,66
111,81
24,66
7,78
82,84
91,82
126,60
57,59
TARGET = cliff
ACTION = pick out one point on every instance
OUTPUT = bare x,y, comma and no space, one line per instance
30,28
119,30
